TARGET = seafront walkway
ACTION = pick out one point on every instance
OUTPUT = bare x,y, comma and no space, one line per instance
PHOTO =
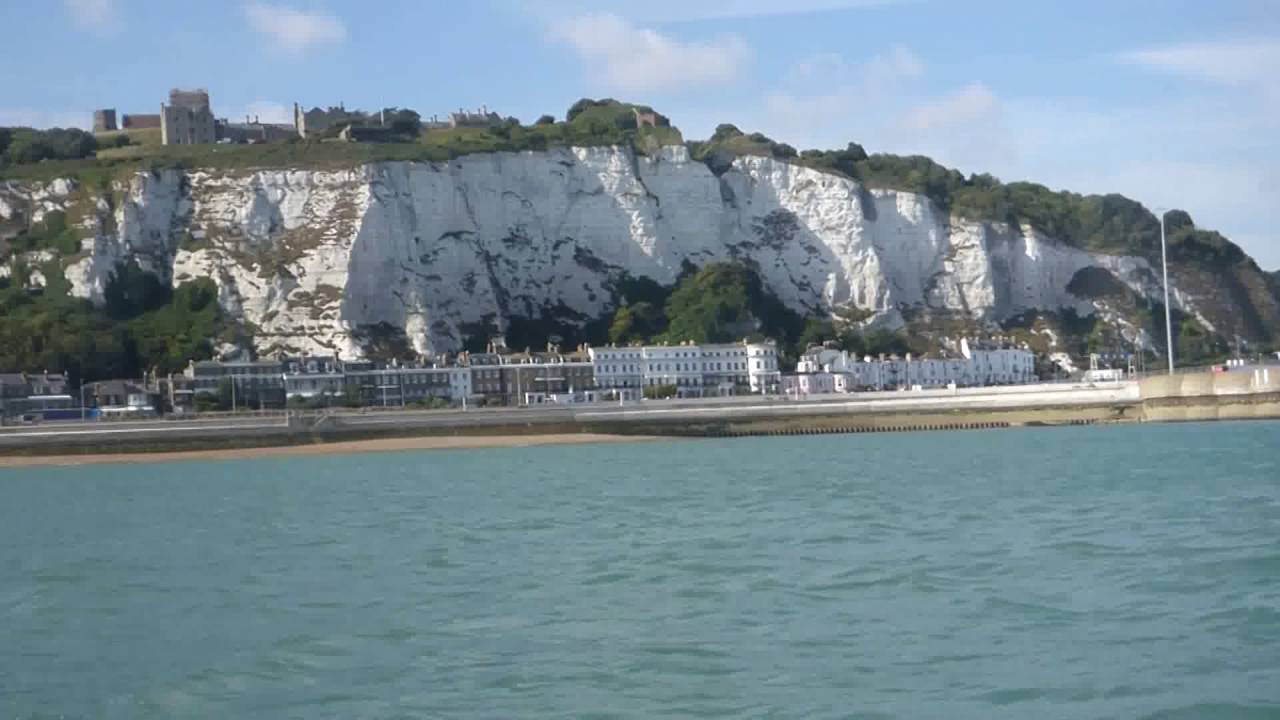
340,423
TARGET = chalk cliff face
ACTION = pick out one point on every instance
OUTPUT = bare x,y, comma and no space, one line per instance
305,257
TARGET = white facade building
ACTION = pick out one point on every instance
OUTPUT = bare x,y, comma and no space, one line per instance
762,368
823,370
994,365
619,370
694,370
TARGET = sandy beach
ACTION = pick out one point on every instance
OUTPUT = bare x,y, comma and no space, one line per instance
462,442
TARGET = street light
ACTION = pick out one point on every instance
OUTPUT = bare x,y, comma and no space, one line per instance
1168,316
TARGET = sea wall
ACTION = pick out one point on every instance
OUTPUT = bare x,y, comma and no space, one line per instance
1236,395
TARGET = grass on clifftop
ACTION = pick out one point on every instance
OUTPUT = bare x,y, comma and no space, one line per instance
589,123
140,136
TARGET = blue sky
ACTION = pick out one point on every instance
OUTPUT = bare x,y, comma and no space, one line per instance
1173,102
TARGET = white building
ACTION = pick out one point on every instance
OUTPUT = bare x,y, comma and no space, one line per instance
618,368
694,370
824,370
762,368
996,365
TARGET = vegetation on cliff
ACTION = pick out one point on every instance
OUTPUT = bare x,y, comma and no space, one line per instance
143,326
1099,223
717,303
721,302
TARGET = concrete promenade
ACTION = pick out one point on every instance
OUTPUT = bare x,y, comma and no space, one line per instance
644,416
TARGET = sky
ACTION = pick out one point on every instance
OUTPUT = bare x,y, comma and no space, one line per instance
1175,103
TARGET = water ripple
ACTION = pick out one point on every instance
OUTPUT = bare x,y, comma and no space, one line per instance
1078,573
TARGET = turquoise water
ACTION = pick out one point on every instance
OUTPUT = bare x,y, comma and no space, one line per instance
1058,573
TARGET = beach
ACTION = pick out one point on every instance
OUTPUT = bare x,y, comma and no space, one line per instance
456,442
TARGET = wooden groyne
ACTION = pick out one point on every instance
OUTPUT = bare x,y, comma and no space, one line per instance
852,429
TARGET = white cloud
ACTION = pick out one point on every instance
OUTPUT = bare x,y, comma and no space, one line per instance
1241,63
622,57
898,64
29,117
965,129
827,101
294,31
92,15
972,103
675,11
825,94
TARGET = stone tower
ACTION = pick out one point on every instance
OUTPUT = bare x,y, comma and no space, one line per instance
104,120
187,119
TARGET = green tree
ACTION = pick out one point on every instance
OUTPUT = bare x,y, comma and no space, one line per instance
1176,220
659,392
351,396
132,291
713,305
27,145
636,323
882,342
725,131
402,120
51,233
816,332
384,342
169,337
229,395
61,334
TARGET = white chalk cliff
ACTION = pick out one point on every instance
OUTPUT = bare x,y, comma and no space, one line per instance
307,256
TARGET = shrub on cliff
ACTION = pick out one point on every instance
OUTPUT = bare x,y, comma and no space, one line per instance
61,334
49,330
169,336
51,233
728,142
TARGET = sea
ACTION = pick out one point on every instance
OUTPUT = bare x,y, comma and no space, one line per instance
1084,572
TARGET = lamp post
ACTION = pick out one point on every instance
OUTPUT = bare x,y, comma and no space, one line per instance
1168,316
